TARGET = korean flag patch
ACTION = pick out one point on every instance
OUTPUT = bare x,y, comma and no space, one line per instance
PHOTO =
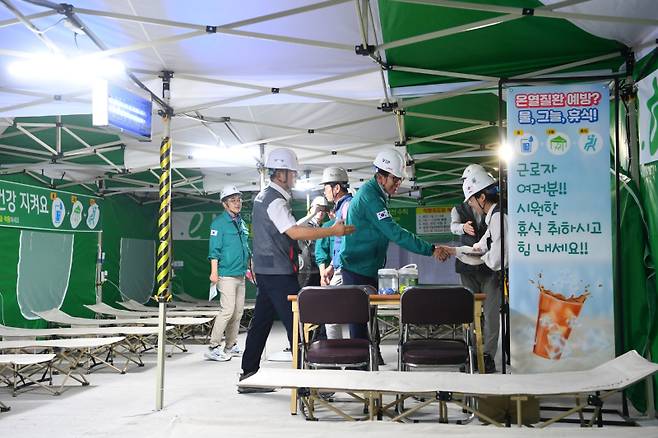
213,232
383,214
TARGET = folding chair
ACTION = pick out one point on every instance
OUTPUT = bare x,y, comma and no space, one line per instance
334,305
435,305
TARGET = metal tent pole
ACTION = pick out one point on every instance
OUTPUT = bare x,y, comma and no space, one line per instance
99,269
618,265
164,237
504,303
262,170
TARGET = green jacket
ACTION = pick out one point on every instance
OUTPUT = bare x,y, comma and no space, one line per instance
324,247
364,251
229,245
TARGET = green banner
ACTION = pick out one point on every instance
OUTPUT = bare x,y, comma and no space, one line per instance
25,206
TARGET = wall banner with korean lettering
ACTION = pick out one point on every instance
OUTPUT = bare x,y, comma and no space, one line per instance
30,207
560,246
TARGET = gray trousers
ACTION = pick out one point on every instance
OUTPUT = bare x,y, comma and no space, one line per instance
487,283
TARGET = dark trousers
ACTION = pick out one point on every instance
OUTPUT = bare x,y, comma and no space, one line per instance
360,331
271,301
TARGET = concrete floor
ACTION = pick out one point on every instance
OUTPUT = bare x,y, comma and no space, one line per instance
201,400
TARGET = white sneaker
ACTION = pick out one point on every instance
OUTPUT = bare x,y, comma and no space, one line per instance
217,354
234,351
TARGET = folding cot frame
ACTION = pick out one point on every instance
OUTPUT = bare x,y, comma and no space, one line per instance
179,332
176,311
172,307
23,368
589,387
249,307
137,339
70,354
106,310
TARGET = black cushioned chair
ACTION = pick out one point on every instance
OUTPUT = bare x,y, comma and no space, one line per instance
435,305
335,305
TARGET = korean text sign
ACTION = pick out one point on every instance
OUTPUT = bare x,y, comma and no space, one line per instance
25,206
561,292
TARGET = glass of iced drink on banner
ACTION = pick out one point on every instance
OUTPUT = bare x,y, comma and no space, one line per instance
556,317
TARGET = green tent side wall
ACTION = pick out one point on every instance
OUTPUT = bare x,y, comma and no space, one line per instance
82,276
648,184
123,218
637,308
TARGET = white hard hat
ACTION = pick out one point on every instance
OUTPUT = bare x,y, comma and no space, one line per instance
478,180
228,191
392,162
282,158
334,175
319,200
469,170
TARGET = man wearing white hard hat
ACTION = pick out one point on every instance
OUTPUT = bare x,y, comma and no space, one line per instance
468,224
481,193
335,183
364,252
275,256
464,220
229,257
309,272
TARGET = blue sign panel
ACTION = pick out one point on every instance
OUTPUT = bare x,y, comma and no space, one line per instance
120,109
129,112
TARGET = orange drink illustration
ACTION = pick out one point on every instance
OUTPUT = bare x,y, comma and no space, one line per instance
556,317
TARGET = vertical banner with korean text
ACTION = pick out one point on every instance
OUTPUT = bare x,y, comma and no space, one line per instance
560,267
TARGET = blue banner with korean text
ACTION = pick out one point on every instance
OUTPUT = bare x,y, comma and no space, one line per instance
560,267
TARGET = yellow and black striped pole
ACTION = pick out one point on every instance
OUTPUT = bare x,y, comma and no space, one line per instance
163,265
163,271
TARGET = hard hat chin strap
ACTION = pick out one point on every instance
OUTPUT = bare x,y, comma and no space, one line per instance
478,201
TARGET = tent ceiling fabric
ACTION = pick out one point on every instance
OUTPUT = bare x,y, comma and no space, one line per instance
327,99
472,45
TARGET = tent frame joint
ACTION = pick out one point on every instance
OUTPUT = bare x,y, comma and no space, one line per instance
528,12
388,107
211,29
364,50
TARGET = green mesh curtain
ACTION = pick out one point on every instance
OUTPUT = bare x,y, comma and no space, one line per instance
44,268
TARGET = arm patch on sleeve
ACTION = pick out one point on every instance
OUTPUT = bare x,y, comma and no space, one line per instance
213,232
383,214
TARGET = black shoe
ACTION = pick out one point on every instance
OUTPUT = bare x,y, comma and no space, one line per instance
489,364
251,389
464,367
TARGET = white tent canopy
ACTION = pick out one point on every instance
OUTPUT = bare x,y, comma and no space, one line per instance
272,73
